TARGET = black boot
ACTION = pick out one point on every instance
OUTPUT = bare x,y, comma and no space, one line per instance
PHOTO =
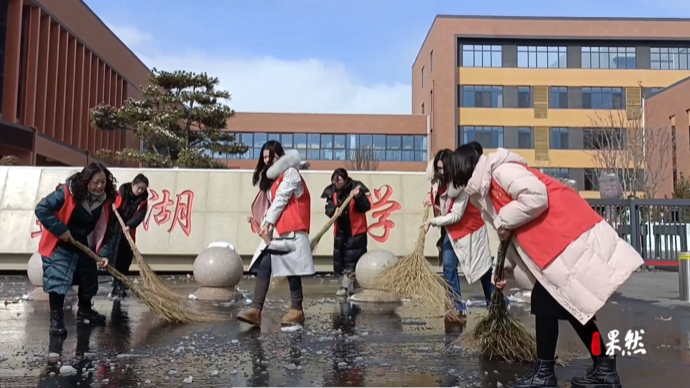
87,312
542,375
602,374
118,291
57,323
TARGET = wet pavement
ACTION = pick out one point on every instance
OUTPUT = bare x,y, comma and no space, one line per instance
342,344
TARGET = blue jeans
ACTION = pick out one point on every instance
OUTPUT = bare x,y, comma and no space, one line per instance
450,273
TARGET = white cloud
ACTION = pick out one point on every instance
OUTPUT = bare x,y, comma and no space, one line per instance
273,85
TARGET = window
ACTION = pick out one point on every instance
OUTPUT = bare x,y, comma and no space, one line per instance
666,58
602,98
525,138
422,76
488,137
559,97
608,58
653,91
422,108
543,57
601,139
591,179
482,56
559,139
524,97
3,35
431,61
558,173
482,96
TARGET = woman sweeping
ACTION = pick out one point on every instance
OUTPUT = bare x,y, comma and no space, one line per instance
77,210
464,238
350,230
573,257
282,211
132,206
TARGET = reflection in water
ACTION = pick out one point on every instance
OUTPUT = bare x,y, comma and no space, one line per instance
82,363
259,376
344,369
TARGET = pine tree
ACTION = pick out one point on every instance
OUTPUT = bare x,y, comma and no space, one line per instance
181,121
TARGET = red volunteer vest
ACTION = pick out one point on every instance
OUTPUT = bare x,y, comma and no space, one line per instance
49,241
547,236
470,222
119,203
358,221
296,216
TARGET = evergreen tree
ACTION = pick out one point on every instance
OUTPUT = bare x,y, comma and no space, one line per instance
181,121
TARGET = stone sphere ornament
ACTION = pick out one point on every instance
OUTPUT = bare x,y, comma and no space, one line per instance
369,268
35,272
218,270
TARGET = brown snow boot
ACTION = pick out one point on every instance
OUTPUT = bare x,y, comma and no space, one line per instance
295,316
251,316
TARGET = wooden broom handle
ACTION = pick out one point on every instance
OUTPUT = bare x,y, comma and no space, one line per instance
131,242
88,251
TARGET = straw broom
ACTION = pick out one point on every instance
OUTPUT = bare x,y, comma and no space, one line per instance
172,311
314,241
150,279
413,278
498,334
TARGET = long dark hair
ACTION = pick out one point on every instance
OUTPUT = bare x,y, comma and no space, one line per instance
444,156
462,163
340,172
276,150
79,182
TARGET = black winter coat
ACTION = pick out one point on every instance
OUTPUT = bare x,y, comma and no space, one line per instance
122,255
347,249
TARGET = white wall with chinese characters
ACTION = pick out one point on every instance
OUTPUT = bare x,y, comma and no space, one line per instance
188,209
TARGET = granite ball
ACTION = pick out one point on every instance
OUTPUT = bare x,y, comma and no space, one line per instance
218,267
35,270
371,264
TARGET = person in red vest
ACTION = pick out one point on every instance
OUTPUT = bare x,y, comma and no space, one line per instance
464,238
574,258
132,205
282,211
78,210
350,230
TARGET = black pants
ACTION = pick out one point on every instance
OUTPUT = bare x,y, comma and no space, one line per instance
57,301
263,281
123,260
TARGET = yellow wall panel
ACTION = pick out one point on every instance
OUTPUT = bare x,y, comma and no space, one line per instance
507,117
557,158
569,77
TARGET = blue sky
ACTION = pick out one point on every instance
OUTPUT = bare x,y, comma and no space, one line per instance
317,56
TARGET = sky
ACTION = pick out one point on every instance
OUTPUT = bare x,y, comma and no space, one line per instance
316,56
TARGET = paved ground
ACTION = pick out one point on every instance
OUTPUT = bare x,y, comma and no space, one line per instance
342,344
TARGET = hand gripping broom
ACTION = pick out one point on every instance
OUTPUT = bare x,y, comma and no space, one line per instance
173,311
150,279
498,334
314,241
413,278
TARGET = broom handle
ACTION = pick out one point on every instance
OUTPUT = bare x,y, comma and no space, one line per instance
88,251
421,239
131,242
501,260
338,213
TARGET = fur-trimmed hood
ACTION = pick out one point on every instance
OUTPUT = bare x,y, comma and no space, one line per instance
290,159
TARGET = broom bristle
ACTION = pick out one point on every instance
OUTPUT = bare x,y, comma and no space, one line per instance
171,310
413,278
498,335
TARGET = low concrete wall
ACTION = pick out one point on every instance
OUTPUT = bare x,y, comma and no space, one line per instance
188,209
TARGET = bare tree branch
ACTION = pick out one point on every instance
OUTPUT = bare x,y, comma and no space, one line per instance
362,159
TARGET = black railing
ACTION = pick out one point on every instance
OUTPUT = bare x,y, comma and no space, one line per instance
657,228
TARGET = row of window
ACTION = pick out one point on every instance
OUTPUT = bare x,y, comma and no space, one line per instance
556,57
591,176
559,137
474,96
322,146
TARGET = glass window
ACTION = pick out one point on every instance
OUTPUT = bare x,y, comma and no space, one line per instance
598,139
380,142
339,155
380,155
365,141
393,142
314,141
481,56
420,143
408,156
525,138
300,140
313,155
326,154
543,57
482,96
559,139
303,154
286,140
326,141
524,96
420,156
394,156
408,142
338,141
260,139
558,97
609,58
274,136
591,179
558,173
602,98
488,137
668,58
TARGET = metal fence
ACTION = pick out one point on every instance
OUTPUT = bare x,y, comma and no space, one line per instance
658,228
